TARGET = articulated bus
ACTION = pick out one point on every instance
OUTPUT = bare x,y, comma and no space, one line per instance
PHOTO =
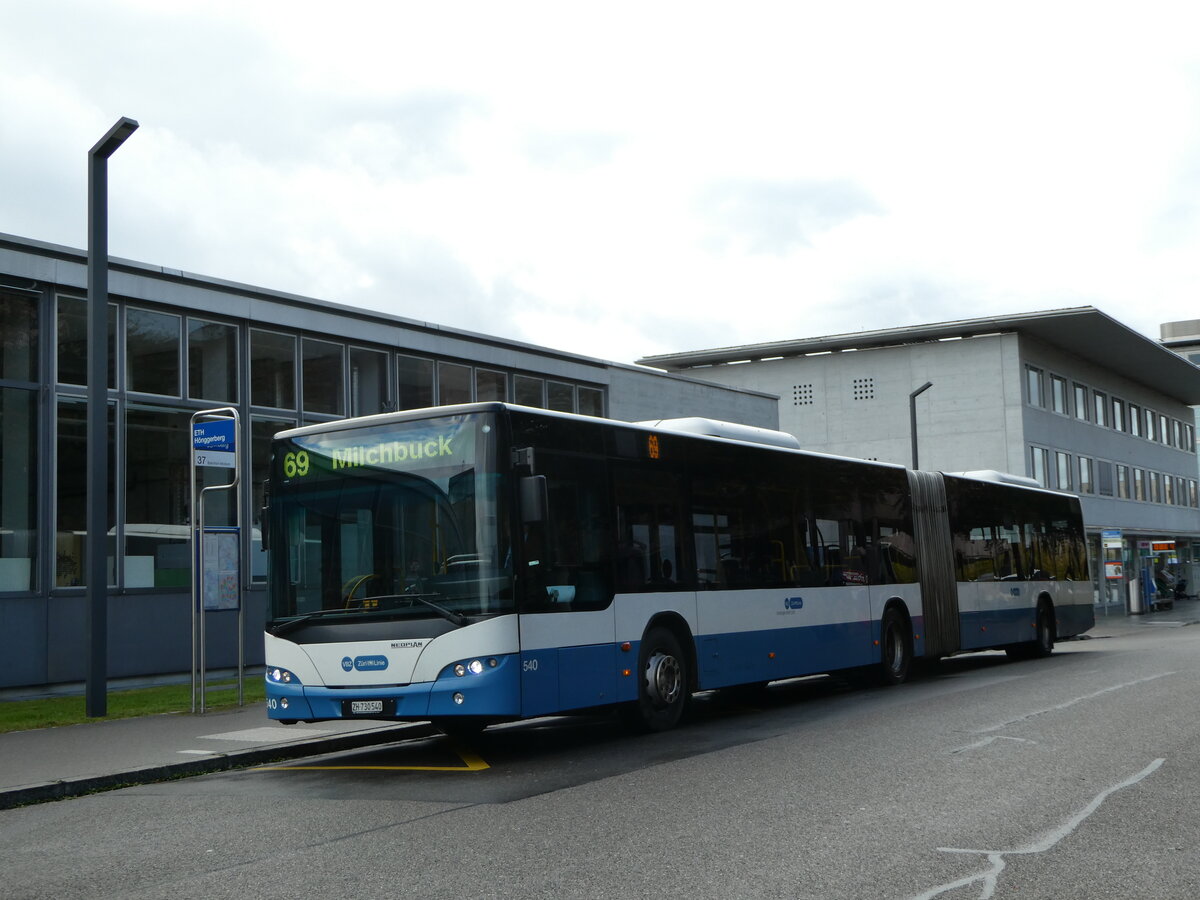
483,563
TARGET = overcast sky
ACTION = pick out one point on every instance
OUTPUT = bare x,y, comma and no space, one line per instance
622,179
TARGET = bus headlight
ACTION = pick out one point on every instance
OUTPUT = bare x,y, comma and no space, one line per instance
475,666
277,675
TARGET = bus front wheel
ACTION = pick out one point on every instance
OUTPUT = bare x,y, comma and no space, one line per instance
662,683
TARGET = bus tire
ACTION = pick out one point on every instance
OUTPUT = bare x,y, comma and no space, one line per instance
1042,644
663,683
895,646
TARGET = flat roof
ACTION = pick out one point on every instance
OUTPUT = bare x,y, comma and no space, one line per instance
1082,331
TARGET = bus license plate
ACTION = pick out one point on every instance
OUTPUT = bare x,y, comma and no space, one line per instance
365,707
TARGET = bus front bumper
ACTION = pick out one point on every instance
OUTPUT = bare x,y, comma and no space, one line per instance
493,691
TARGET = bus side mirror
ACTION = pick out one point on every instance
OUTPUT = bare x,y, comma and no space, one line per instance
534,502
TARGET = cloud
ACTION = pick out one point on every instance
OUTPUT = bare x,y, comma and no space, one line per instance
570,150
777,217
629,182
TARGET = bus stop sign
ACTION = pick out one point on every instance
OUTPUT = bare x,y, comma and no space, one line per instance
213,444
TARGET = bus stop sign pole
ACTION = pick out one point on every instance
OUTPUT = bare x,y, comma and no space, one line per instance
214,445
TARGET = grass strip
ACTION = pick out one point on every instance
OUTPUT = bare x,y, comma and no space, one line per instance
50,712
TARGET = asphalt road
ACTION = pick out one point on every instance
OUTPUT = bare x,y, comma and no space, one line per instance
1077,776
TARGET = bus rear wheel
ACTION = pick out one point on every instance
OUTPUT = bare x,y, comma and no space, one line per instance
1042,644
896,648
663,683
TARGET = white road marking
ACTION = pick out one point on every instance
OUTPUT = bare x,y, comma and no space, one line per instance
989,878
1070,703
986,741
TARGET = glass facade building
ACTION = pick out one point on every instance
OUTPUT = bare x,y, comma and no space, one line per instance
179,344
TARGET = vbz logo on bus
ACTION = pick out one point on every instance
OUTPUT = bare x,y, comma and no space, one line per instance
793,603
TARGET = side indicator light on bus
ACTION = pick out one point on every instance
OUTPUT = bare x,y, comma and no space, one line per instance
771,655
627,672
626,647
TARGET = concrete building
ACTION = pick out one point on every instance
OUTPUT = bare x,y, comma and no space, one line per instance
180,343
1070,397
1182,338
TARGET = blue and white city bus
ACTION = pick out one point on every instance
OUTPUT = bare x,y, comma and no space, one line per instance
483,563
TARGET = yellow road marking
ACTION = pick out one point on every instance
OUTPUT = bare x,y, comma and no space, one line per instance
472,764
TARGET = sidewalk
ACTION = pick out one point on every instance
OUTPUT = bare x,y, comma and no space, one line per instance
54,763
1116,622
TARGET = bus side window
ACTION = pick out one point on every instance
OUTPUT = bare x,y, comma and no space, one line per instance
648,548
577,567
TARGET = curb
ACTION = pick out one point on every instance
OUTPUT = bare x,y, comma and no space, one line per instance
66,788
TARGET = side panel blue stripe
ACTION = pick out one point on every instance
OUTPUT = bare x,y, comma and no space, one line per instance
784,653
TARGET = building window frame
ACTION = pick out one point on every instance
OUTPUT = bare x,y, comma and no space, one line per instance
1100,404
1059,400
491,384
1039,463
1122,482
322,377
416,381
529,390
278,378
369,381
1087,484
1062,466
1118,415
232,367
1082,409
165,380
1035,387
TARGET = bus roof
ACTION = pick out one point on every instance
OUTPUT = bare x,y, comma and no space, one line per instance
696,427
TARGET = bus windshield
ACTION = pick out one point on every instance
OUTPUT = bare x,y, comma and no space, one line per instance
402,520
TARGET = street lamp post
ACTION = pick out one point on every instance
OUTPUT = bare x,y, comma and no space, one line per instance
912,416
96,700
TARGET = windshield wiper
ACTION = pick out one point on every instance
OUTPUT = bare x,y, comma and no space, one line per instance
456,618
293,624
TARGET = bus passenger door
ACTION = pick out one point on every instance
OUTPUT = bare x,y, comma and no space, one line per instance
567,645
